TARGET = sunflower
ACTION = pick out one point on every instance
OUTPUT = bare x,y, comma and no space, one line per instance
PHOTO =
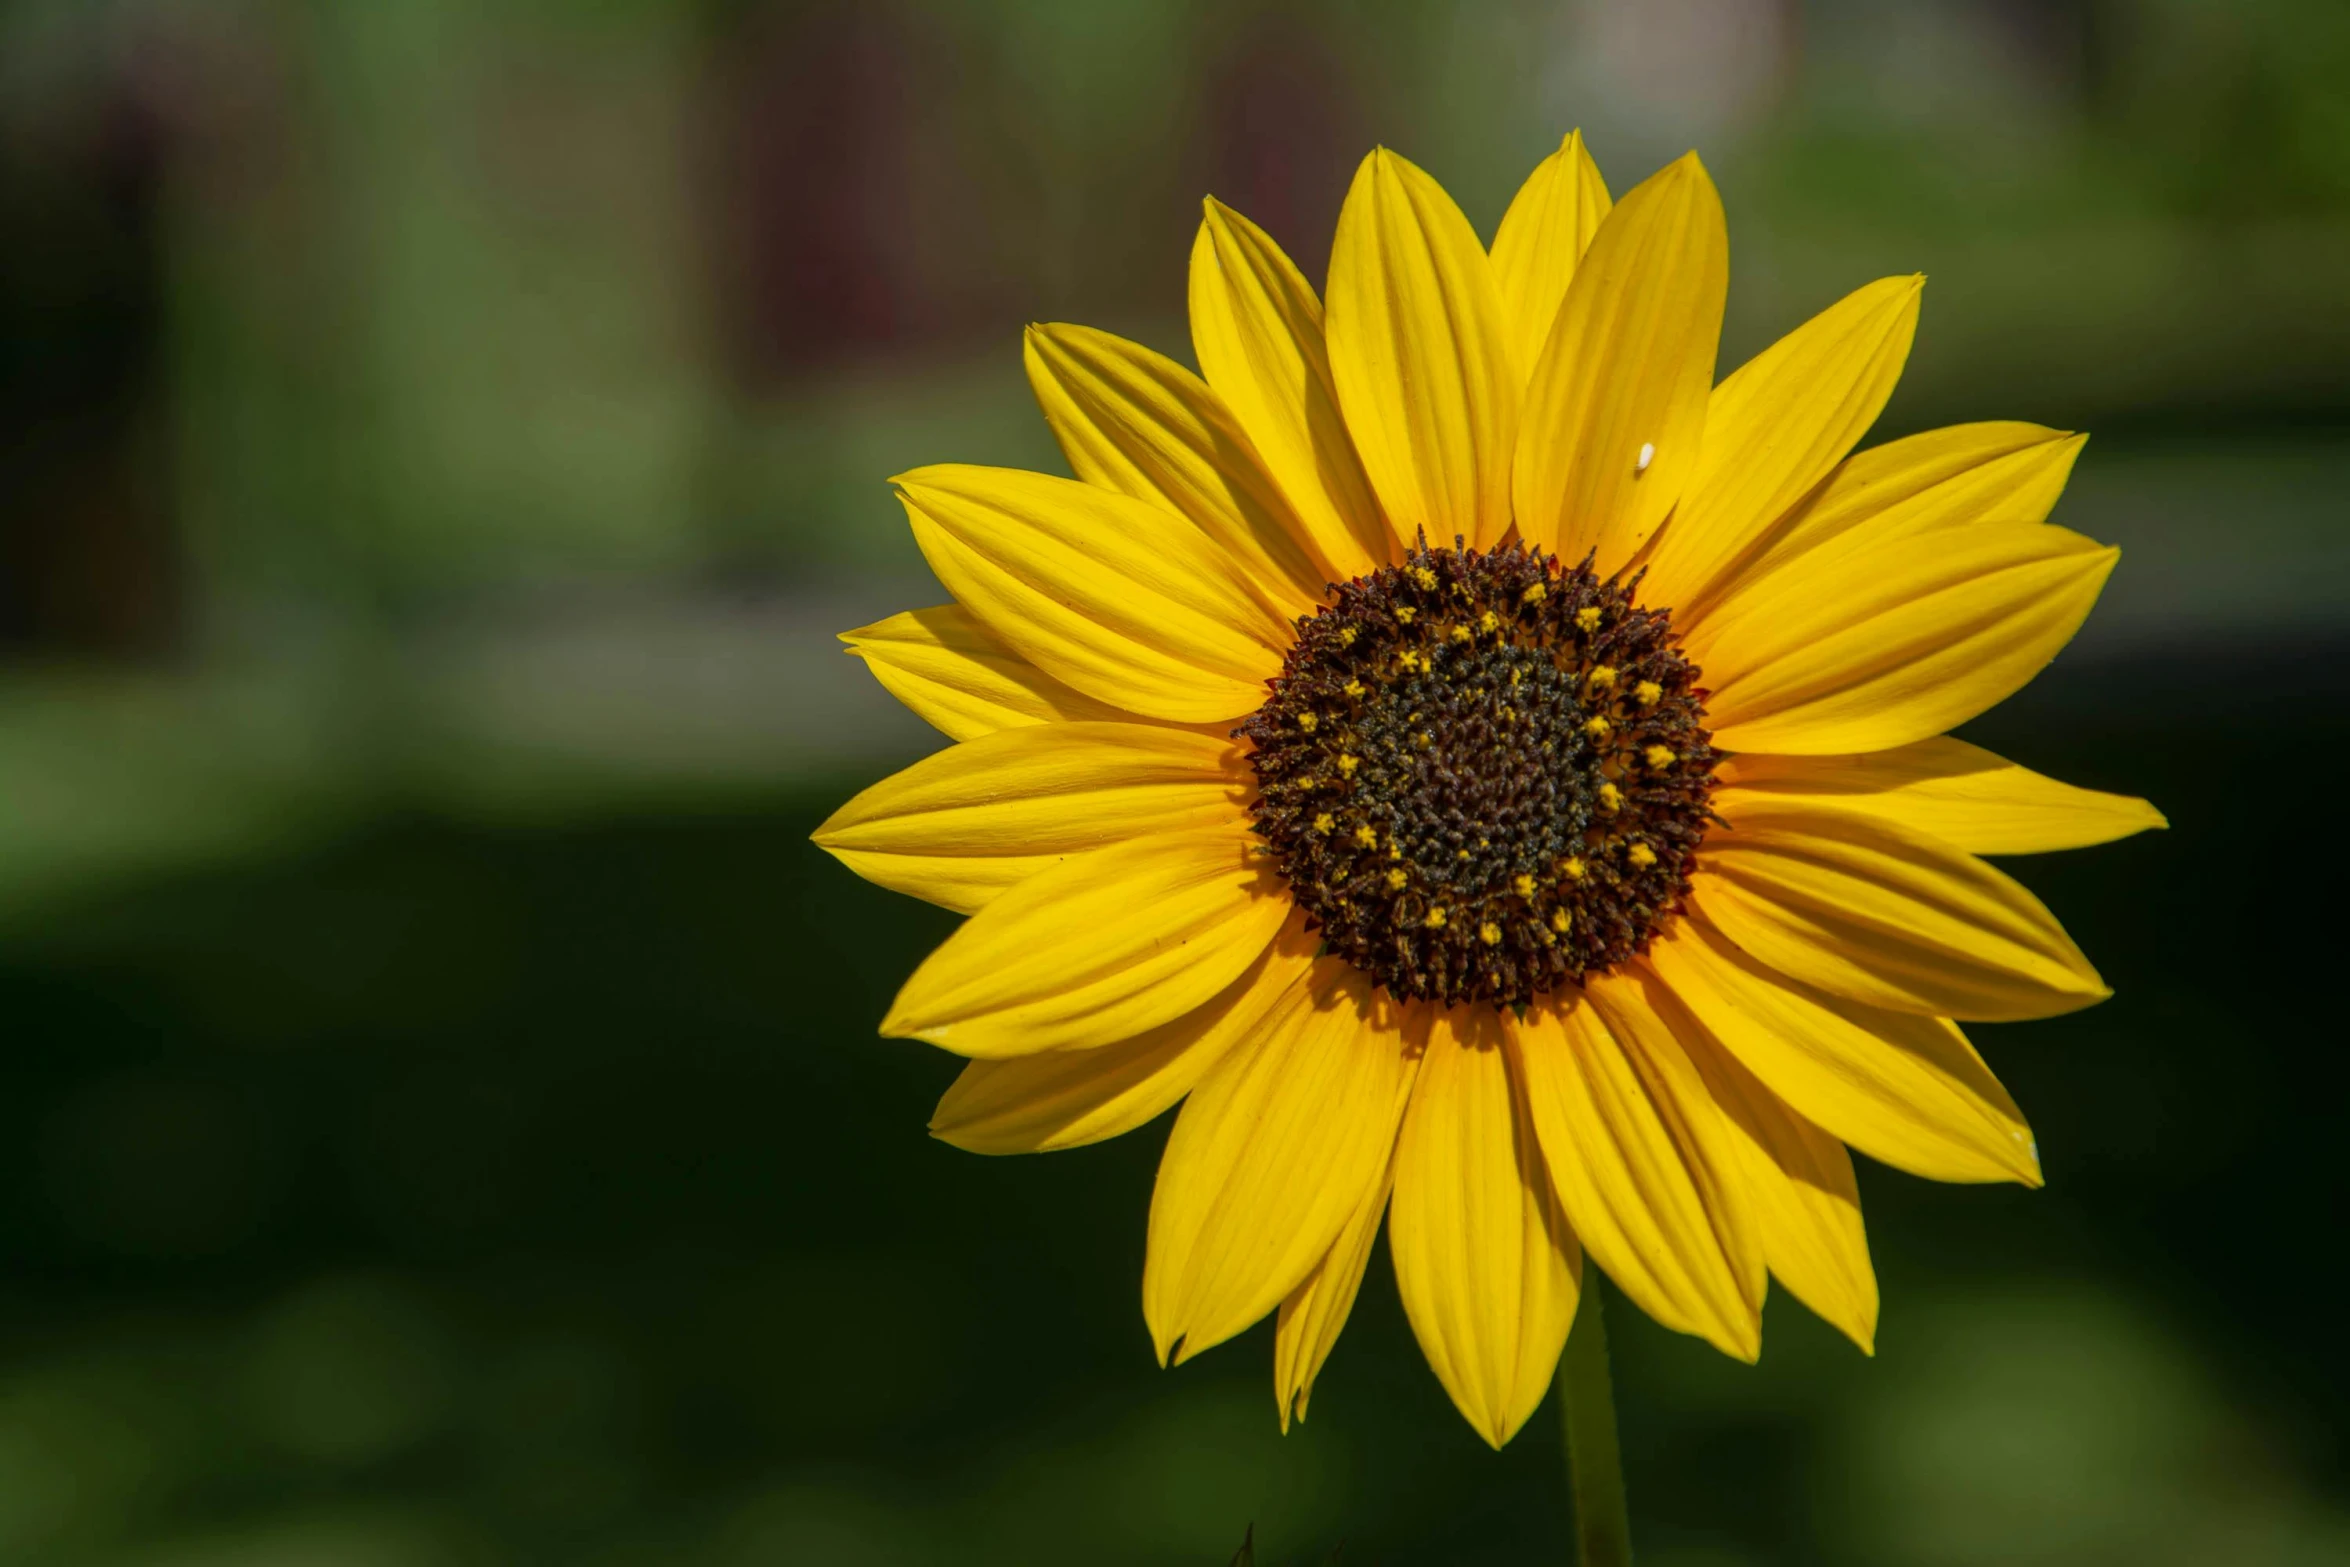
1491,776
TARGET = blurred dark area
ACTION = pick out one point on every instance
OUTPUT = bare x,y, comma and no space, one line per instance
438,442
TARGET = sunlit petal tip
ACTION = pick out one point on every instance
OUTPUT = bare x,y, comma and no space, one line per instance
1902,293
1223,218
1689,168
2028,1173
894,1023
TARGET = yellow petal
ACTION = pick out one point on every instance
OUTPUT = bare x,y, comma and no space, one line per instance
1096,949
1483,1258
1904,1089
1887,915
1800,1187
1982,475
1270,1159
1315,1312
961,681
1626,370
1541,240
1125,601
1776,427
1257,330
1422,366
976,819
1958,792
1068,1098
1642,1165
1139,423
1882,646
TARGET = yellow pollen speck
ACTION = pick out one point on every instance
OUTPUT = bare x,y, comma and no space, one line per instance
1394,850
1423,576
1560,919
1348,762
1354,688
1404,613
1611,798
1489,933
1588,617
1396,879
1641,855
1462,633
1602,676
1647,693
1308,722
1464,854
1534,594
1525,885
1346,636
1661,756
1324,821
1436,918
1575,868
1597,727
1489,622
1367,836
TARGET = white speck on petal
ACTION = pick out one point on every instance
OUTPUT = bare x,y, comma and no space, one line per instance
1647,456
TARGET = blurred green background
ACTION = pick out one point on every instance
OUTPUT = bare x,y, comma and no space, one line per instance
442,1120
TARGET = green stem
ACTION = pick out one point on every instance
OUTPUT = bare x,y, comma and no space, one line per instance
1595,1463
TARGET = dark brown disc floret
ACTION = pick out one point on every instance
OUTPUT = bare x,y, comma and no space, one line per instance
1484,775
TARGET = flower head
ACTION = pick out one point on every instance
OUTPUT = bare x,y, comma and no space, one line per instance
1492,776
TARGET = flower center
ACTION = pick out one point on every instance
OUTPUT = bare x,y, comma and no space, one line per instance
1483,775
